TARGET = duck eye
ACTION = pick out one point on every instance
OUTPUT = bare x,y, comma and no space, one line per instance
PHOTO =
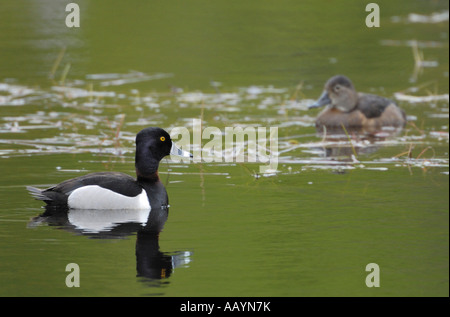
337,87
162,138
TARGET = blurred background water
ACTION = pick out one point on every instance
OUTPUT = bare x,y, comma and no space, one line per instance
72,100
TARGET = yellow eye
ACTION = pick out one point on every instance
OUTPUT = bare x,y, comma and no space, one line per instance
162,138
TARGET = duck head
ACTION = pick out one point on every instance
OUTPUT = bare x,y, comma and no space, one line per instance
339,93
152,145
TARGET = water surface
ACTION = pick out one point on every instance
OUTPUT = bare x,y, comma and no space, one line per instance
72,100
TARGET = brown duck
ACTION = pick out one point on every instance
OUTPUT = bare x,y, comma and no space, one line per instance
346,107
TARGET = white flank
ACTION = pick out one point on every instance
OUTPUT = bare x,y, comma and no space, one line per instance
96,197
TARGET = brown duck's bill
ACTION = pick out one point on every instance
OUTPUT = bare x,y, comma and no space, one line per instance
323,100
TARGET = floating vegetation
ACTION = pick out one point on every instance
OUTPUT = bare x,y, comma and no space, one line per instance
82,117
421,99
435,17
133,77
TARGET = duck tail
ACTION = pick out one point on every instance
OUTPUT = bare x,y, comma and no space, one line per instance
37,193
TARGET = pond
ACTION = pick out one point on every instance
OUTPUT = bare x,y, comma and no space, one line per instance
73,99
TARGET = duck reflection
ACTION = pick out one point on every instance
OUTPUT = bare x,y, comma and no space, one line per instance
343,144
151,263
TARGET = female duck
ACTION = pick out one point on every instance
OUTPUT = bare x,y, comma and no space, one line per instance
351,109
114,190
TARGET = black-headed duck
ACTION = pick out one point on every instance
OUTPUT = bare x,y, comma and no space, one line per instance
113,190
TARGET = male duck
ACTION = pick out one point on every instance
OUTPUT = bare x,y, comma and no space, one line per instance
114,190
358,110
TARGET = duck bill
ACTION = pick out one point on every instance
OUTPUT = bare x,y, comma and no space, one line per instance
323,100
179,152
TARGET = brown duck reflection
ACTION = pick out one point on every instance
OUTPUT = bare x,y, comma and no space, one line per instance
344,143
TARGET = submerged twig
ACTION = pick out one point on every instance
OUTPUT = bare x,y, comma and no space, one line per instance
408,153
425,150
64,74
350,140
412,124
55,66
324,135
116,131
202,177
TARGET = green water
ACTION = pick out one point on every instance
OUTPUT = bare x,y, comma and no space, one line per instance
308,230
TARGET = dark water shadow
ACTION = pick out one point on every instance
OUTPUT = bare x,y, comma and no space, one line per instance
152,264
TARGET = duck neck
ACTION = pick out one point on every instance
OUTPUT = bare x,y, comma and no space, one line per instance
146,166
346,102
147,178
